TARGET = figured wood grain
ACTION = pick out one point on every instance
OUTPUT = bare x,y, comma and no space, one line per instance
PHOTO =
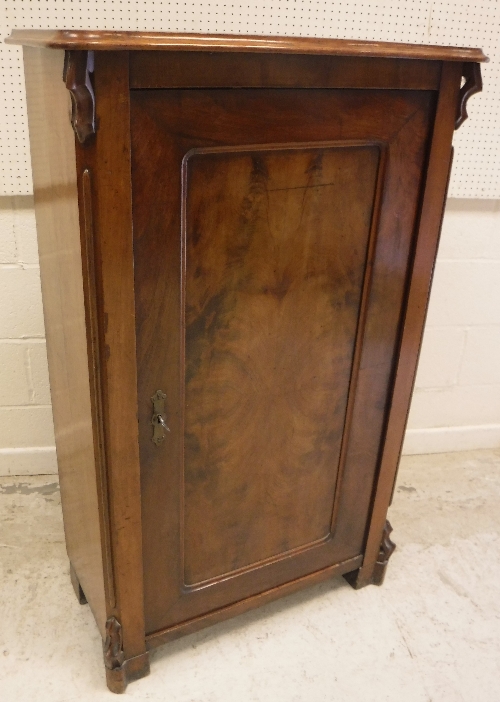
166,125
194,69
275,260
105,40
62,270
264,258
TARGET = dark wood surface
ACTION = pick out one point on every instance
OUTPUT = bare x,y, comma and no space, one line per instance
274,257
103,168
159,638
163,41
278,277
263,256
77,68
107,160
190,69
422,268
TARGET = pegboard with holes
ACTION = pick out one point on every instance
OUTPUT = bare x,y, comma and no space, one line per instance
476,171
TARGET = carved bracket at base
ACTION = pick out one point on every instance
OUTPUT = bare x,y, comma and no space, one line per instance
132,669
113,645
78,65
119,672
363,577
473,84
387,548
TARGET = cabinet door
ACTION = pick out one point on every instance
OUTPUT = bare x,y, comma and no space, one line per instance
272,234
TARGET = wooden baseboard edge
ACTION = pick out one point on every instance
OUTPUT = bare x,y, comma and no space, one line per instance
164,636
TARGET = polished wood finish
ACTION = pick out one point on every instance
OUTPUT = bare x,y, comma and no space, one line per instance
161,41
386,549
269,340
156,69
119,670
78,66
276,282
429,228
158,638
252,268
107,161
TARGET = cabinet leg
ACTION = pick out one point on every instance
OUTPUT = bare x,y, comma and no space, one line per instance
387,548
80,595
121,671
132,669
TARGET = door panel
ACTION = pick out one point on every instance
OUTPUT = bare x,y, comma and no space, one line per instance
275,258
271,230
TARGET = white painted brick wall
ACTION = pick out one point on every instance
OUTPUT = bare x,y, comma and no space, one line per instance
456,404
26,430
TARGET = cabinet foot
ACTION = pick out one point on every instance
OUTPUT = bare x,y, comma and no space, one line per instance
132,669
121,671
387,548
80,595
357,579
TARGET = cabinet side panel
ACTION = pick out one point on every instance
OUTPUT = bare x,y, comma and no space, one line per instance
56,207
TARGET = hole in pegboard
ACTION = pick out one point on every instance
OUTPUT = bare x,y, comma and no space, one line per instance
476,170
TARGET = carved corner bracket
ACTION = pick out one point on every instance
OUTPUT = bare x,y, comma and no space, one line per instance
121,671
387,548
78,65
113,645
362,577
473,84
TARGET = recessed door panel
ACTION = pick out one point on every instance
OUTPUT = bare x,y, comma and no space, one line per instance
275,259
272,231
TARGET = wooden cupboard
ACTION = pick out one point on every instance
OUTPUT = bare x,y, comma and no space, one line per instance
236,241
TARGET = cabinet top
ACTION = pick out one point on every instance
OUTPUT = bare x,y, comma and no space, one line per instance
103,40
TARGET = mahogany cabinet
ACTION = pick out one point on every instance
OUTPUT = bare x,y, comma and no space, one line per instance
236,249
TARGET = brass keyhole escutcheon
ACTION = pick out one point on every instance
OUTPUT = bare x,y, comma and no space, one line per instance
157,420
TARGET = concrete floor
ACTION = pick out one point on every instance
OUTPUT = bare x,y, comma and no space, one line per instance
431,633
